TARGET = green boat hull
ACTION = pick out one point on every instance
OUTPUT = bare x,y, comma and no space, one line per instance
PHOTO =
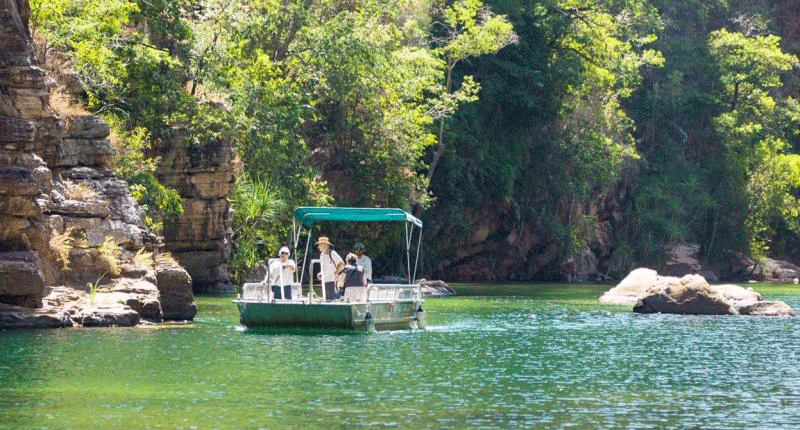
362,316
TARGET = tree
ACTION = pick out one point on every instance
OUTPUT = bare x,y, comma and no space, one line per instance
549,131
756,129
469,29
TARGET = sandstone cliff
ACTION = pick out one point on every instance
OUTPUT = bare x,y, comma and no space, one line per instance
200,239
60,204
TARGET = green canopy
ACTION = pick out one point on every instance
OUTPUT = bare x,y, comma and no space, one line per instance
308,215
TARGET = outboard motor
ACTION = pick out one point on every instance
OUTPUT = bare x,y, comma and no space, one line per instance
421,318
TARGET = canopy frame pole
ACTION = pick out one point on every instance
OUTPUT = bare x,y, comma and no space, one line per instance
408,249
416,259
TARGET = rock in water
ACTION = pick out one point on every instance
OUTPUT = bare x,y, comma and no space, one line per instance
694,299
768,309
435,288
691,294
632,288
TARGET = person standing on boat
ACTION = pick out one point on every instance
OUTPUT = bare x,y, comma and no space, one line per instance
363,261
332,264
280,275
353,273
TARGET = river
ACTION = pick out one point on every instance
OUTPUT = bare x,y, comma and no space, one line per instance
497,356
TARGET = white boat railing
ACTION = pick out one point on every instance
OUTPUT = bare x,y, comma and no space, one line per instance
392,292
261,292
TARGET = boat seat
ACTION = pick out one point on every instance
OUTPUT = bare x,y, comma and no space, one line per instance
355,294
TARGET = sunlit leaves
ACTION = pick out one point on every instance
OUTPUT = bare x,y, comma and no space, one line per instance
87,32
755,129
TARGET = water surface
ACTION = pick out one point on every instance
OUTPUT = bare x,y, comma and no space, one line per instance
546,356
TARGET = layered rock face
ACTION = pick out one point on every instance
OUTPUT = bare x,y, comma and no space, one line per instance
27,132
60,204
200,239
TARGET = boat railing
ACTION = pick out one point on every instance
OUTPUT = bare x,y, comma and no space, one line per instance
393,292
261,292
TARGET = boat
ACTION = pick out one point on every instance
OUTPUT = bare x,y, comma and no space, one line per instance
376,306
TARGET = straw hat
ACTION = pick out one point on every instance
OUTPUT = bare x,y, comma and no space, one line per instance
323,239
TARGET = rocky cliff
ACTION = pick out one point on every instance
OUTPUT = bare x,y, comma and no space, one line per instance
499,245
65,219
200,239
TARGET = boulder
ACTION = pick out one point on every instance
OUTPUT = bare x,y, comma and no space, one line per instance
139,294
690,294
175,292
769,309
691,298
21,278
772,270
632,288
738,296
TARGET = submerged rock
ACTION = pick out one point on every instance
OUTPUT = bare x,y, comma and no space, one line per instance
109,315
435,288
19,317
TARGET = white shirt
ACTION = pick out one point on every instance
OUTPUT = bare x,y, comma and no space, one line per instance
329,262
366,264
279,275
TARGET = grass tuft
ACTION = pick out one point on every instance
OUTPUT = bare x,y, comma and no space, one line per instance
109,253
62,244
144,258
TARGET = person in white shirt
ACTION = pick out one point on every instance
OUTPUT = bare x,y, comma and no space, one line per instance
363,261
332,264
280,275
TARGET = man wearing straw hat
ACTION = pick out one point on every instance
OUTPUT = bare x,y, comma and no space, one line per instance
332,264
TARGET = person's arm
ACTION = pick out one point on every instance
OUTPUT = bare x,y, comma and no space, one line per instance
367,268
337,261
291,265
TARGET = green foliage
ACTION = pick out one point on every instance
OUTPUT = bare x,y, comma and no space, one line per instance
86,32
549,129
93,286
161,204
321,87
756,129
259,223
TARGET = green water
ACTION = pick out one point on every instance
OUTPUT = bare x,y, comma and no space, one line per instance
496,357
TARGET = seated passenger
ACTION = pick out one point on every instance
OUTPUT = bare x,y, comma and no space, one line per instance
280,275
